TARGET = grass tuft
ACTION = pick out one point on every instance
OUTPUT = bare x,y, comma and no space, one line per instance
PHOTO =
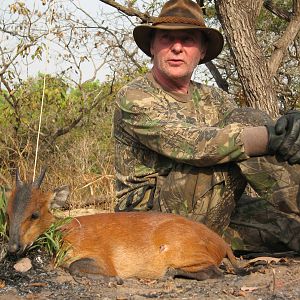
3,220
52,241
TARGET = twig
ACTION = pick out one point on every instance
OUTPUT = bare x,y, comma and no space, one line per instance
274,281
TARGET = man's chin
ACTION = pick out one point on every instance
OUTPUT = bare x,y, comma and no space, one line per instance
177,73
180,76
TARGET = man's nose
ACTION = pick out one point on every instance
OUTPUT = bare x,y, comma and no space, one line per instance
177,46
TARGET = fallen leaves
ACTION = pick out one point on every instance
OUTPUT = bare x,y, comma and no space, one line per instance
2,284
266,260
38,284
249,288
242,292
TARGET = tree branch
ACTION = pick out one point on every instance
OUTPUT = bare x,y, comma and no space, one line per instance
280,13
281,45
129,11
221,82
201,4
61,131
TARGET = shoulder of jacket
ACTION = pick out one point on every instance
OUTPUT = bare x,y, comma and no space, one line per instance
212,91
140,87
208,88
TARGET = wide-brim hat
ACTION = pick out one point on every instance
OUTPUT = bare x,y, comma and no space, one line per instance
176,15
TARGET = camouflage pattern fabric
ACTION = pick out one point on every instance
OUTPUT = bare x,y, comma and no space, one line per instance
183,154
257,226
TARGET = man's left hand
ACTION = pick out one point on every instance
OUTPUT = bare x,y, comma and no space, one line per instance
289,124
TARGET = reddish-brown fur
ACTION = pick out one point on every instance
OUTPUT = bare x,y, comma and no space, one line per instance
135,244
30,230
145,245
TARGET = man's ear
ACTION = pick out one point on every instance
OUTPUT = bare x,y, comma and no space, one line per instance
203,51
152,37
151,48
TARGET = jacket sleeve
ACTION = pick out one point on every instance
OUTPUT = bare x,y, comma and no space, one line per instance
151,122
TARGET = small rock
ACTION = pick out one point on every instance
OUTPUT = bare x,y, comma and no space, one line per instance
23,265
38,260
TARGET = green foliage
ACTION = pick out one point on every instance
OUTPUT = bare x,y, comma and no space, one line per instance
77,158
58,106
52,241
62,104
3,220
270,26
90,104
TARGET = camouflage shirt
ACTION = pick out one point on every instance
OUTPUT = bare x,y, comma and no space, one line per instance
155,129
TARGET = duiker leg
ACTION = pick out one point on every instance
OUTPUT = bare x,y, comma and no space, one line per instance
88,267
206,273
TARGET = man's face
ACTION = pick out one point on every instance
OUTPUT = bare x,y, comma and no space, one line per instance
176,53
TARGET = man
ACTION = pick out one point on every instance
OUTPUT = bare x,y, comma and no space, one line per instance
186,148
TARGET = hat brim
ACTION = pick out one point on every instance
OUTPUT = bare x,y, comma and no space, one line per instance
142,35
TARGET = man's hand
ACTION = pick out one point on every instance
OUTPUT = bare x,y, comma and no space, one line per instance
287,121
289,124
274,140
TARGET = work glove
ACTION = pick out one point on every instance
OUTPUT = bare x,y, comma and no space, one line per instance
274,140
289,125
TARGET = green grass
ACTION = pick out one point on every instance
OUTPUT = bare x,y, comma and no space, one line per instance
52,241
3,220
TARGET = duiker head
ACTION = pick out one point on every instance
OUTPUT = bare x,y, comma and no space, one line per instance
29,212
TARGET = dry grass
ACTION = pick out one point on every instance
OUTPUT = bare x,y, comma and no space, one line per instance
83,160
88,169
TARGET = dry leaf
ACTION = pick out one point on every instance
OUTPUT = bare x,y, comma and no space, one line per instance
249,288
2,284
38,284
266,259
241,294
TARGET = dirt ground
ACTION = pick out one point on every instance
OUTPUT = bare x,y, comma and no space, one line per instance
277,278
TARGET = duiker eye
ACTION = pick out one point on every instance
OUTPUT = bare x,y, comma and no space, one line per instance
35,215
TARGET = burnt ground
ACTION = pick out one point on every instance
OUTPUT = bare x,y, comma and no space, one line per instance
276,279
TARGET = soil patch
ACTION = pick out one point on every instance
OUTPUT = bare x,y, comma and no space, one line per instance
275,279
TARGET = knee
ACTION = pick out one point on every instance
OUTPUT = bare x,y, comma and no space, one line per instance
248,116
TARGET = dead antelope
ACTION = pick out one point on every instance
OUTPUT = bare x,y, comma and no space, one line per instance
122,245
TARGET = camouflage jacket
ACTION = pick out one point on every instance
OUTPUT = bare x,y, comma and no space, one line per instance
155,129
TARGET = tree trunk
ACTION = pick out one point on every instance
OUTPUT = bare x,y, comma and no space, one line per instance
238,21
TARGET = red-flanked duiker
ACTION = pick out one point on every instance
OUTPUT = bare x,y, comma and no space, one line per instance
121,245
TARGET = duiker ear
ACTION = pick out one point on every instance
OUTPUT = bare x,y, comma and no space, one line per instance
59,197
19,182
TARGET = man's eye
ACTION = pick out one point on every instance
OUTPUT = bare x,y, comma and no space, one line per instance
188,39
165,37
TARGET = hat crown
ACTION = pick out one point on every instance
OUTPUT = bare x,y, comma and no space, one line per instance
180,11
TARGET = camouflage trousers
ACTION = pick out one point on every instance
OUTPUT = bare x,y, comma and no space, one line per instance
215,196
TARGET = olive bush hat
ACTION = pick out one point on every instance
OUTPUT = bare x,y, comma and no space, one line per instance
175,15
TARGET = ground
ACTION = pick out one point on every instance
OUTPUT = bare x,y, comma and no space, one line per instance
275,279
